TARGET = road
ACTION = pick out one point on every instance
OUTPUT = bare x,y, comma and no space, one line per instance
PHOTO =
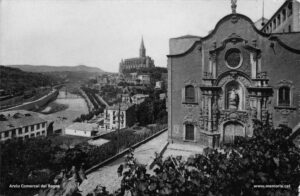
107,176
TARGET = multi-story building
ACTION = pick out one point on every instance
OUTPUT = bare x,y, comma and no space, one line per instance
285,19
134,64
21,124
124,111
144,79
218,84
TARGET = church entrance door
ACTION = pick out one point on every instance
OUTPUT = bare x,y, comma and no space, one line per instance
231,130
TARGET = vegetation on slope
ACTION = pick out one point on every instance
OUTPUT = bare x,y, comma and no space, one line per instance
16,81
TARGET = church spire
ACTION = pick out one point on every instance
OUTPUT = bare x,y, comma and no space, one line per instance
142,49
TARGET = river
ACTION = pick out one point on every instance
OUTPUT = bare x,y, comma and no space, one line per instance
71,106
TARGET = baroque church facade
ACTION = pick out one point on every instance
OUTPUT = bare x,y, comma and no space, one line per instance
133,64
220,83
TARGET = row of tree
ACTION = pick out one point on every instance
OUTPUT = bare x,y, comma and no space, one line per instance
89,116
91,93
38,160
152,110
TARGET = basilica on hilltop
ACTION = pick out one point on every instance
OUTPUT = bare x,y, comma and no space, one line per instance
133,64
240,72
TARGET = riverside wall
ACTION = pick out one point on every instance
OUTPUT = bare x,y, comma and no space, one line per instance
36,103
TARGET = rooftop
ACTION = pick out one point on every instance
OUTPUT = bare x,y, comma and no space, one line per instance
18,118
141,95
122,106
83,126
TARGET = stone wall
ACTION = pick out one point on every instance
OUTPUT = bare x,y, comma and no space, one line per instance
35,104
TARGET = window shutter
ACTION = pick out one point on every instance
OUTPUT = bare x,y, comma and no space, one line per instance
183,95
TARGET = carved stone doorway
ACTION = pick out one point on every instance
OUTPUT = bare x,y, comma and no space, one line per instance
231,130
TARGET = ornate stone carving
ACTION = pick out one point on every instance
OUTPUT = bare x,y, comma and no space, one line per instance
235,19
285,83
233,6
262,75
214,45
213,56
253,113
225,80
244,81
190,82
207,75
233,99
234,38
234,76
233,116
254,43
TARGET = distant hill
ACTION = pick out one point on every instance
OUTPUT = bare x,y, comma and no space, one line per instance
46,68
14,80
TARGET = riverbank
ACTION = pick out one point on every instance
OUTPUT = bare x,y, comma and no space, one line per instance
66,108
36,104
53,108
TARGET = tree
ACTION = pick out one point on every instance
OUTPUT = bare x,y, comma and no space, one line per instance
266,159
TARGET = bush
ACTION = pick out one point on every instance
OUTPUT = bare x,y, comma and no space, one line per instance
37,160
266,159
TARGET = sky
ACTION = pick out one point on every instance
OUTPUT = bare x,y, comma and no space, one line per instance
100,33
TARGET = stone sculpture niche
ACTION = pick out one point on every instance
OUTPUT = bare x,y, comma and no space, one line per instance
234,96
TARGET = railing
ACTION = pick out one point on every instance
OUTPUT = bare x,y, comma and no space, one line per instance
124,152
208,75
262,75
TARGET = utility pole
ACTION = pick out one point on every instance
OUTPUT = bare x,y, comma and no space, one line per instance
118,131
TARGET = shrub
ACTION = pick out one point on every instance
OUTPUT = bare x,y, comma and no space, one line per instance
266,159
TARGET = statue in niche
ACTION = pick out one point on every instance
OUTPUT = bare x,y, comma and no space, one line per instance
233,99
254,112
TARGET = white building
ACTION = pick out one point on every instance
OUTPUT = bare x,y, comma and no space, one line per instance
138,98
111,116
158,85
285,20
21,124
82,129
144,79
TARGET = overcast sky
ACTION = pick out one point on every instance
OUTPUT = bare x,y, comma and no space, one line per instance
100,33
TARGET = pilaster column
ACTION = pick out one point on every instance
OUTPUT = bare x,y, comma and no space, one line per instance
259,104
209,103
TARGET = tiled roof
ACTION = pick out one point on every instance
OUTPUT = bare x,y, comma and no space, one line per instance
290,39
123,106
83,126
18,118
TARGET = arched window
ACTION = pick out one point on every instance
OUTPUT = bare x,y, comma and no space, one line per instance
189,94
189,132
284,96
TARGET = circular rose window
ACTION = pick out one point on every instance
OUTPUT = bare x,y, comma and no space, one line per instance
233,58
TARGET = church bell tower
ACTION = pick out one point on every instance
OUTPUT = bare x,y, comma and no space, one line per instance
142,49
